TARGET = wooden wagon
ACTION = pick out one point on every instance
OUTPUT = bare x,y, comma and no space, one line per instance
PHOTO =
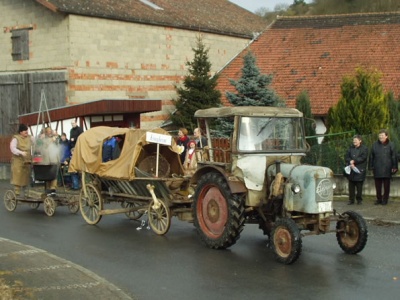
146,178
34,197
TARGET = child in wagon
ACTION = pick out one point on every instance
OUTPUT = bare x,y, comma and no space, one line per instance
190,163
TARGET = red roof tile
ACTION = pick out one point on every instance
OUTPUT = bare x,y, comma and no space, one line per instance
315,53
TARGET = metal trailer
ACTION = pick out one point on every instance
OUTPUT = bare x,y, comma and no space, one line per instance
147,179
33,197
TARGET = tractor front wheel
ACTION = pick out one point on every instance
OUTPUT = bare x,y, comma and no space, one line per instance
286,241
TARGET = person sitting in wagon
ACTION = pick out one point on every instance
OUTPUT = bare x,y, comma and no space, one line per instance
190,164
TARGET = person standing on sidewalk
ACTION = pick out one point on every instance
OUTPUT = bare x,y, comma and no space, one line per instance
383,163
356,157
20,147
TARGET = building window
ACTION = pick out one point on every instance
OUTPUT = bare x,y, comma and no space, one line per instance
20,44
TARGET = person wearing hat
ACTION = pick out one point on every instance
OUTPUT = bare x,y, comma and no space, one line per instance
20,147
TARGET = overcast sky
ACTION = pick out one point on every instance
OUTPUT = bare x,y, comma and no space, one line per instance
253,5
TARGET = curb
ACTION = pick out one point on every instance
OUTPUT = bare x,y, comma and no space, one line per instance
46,276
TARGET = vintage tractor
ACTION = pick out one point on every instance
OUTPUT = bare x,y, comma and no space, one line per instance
256,177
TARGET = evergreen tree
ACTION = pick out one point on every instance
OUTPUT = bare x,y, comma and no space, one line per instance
362,106
198,91
303,104
394,120
252,90
252,87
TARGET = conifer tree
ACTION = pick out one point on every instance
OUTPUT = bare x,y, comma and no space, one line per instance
252,88
362,106
198,90
394,120
303,104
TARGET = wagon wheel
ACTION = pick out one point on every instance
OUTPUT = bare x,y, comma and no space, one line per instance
218,214
91,205
286,241
49,206
10,200
73,204
352,232
34,205
133,215
159,218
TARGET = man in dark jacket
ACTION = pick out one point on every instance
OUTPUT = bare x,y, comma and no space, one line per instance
74,134
356,157
383,163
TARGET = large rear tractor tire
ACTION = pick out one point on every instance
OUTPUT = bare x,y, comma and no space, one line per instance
286,241
352,232
218,214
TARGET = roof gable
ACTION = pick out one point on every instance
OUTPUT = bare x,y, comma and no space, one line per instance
216,16
315,53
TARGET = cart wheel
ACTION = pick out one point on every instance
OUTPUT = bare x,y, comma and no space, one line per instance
133,215
91,205
73,204
159,218
10,200
352,232
286,241
34,205
49,206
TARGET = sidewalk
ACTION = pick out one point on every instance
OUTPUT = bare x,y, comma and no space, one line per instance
380,214
31,273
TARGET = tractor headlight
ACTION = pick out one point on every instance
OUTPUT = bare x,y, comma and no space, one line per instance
334,185
295,188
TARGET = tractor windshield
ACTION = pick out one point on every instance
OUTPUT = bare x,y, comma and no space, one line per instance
271,134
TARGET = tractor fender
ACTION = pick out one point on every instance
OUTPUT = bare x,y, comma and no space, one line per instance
235,185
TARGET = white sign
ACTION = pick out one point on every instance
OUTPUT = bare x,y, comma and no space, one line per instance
158,138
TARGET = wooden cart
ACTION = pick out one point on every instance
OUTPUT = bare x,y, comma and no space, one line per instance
34,197
146,179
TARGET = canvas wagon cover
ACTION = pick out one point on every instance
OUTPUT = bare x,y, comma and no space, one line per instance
87,155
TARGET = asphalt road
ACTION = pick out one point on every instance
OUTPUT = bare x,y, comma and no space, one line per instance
178,266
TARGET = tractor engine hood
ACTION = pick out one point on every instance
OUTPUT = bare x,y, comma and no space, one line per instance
307,188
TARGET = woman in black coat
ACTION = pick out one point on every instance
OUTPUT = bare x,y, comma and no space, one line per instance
356,158
383,163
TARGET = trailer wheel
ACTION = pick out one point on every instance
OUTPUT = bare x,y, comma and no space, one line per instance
73,204
10,200
49,206
132,215
218,214
34,205
159,218
352,232
91,205
286,241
